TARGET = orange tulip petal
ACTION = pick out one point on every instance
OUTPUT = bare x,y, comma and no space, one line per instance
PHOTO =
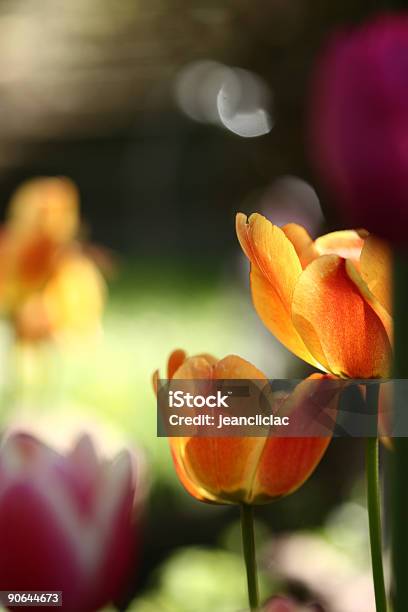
301,240
191,486
233,367
274,315
195,368
378,308
312,406
176,359
155,380
217,469
337,324
285,465
222,467
275,269
345,243
376,270
287,462
268,248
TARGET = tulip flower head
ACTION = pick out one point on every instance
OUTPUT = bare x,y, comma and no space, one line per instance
327,300
358,125
48,284
250,470
66,522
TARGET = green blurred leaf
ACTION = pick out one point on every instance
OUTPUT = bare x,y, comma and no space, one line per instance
199,580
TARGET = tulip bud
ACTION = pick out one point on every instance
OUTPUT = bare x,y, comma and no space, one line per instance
66,522
358,129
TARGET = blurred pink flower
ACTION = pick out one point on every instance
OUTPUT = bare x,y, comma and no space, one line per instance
358,129
66,522
286,604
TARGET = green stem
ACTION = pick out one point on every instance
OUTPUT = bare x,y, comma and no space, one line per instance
374,516
248,544
400,454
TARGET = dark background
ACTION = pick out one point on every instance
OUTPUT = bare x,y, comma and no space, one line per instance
87,90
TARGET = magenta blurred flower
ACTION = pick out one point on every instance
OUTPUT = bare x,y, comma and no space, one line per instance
358,129
66,522
286,604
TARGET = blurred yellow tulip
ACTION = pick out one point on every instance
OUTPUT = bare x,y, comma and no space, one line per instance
48,285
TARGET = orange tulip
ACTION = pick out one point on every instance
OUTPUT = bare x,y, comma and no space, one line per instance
42,221
48,285
250,470
327,300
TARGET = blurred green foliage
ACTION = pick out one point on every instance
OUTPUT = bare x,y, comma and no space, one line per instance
198,579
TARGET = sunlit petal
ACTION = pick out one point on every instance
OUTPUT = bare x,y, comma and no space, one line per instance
376,269
302,242
337,324
345,243
275,269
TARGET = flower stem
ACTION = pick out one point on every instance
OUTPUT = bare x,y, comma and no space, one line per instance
248,545
373,505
